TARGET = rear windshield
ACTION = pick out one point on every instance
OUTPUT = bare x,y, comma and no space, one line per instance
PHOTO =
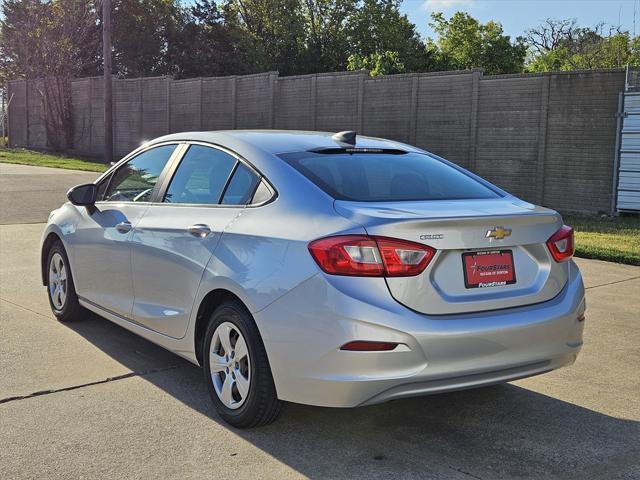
386,177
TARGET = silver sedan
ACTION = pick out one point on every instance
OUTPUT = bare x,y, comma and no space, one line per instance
323,269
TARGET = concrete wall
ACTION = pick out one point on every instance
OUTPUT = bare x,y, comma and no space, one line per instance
548,138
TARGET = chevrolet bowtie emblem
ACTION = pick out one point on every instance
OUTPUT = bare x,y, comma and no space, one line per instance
498,233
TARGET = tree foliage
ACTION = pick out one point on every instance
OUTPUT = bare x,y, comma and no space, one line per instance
562,45
464,43
379,32
377,63
144,33
41,37
51,42
61,38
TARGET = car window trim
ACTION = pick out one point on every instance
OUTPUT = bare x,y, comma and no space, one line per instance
239,159
168,172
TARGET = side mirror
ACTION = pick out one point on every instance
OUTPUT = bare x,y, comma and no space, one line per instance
83,195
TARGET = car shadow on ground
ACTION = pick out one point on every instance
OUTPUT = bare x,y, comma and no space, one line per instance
503,431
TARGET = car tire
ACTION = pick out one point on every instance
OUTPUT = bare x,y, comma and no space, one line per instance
61,290
241,386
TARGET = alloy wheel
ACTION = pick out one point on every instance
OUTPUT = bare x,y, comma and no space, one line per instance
230,365
57,281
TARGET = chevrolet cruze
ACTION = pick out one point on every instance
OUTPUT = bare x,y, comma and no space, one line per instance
323,269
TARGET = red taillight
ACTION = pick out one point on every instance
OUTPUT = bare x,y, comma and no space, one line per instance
368,346
561,244
364,255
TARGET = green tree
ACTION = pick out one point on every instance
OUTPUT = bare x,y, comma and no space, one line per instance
464,43
377,29
144,32
274,32
51,42
561,45
204,45
48,37
383,63
307,36
326,42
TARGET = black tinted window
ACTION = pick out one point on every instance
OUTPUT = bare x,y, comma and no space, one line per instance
201,176
241,187
134,181
382,177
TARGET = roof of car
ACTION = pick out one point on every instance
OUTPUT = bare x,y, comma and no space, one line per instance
281,141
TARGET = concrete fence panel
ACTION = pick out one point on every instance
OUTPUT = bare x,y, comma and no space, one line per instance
443,105
581,140
186,105
548,138
127,114
255,96
508,132
18,125
296,104
97,115
155,114
35,113
338,101
218,103
387,107
81,102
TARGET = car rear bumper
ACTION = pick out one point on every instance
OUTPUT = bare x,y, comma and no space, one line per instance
304,329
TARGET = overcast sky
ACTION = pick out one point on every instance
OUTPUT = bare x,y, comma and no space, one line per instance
518,15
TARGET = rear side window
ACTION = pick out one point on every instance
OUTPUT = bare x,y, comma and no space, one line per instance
263,194
241,187
386,177
201,176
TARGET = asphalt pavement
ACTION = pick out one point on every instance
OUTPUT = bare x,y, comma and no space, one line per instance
91,400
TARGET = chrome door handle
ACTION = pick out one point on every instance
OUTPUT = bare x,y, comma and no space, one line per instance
199,230
123,227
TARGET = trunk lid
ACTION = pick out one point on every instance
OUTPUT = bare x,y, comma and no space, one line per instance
457,227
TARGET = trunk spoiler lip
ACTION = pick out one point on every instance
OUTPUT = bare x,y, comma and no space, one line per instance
391,214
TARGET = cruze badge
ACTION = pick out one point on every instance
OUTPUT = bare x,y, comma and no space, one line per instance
498,233
432,236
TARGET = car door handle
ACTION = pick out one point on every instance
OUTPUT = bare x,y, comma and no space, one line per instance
199,230
123,227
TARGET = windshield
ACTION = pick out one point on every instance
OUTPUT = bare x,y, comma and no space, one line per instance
386,177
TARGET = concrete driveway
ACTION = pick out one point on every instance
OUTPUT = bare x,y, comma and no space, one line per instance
90,400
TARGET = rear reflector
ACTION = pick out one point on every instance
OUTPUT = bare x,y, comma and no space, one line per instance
364,255
366,346
561,244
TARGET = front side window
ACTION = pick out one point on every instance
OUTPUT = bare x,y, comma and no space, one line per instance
386,177
201,176
135,180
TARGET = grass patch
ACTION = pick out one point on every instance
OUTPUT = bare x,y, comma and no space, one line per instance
39,159
615,239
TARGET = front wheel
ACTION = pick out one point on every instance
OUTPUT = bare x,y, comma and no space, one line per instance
236,369
60,288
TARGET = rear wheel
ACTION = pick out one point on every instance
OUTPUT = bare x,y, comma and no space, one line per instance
236,368
60,288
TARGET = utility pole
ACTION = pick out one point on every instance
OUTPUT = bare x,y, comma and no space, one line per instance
106,57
